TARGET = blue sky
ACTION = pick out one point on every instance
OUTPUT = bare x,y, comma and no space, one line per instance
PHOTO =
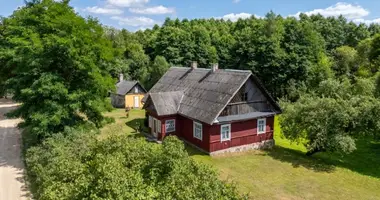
140,14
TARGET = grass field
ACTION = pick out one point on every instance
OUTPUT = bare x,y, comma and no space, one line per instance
285,172
122,125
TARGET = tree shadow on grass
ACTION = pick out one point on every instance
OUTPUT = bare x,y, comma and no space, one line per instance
136,123
191,150
365,160
298,159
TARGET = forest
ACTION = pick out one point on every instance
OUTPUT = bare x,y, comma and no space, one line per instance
324,71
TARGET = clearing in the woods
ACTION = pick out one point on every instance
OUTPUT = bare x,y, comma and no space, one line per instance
284,172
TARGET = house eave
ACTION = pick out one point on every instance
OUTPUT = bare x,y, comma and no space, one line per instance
243,117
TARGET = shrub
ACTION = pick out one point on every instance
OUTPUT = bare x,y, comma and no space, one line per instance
79,166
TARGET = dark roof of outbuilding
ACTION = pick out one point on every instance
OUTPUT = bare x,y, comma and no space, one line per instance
124,87
205,93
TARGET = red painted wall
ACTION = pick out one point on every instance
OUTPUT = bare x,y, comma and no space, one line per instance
185,131
242,133
163,119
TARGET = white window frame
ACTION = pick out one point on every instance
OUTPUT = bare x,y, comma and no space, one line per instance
264,120
201,133
166,125
221,132
136,89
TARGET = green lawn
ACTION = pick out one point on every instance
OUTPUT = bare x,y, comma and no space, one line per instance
285,172
122,125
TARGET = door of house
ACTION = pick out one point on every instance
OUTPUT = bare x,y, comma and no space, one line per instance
136,102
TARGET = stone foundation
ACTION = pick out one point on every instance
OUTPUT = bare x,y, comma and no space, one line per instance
267,144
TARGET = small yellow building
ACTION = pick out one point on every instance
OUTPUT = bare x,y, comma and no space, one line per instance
128,94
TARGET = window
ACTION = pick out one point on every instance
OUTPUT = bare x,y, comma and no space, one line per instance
261,125
225,132
197,130
136,89
170,125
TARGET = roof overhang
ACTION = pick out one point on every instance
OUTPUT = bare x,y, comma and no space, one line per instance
244,117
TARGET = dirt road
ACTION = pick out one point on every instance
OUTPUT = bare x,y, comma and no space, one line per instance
12,185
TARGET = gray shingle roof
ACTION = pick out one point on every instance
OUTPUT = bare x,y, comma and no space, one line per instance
167,103
123,87
205,93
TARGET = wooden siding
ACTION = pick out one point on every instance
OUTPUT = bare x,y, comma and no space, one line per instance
255,101
185,131
242,133
140,90
130,100
246,107
163,119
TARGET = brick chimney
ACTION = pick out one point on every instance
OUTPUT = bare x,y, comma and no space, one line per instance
215,67
194,65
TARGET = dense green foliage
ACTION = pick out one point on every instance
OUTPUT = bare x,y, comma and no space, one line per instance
81,167
57,59
333,116
286,53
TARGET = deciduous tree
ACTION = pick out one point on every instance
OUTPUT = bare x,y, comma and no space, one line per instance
58,63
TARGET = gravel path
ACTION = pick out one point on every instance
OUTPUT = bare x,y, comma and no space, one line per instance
12,185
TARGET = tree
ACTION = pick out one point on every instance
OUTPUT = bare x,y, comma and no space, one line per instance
364,49
319,123
374,54
346,61
137,61
156,71
58,63
331,118
175,45
3,70
79,166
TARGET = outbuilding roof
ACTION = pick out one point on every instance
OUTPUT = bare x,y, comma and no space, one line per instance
205,93
123,87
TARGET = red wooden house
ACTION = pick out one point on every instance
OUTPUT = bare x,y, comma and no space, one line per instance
213,109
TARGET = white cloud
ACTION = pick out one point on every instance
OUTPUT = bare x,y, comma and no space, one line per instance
135,21
345,9
157,10
105,11
236,1
127,3
367,21
234,17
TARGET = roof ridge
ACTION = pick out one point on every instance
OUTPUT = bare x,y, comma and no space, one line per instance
201,68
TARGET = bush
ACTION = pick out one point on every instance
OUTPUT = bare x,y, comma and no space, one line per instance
78,166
